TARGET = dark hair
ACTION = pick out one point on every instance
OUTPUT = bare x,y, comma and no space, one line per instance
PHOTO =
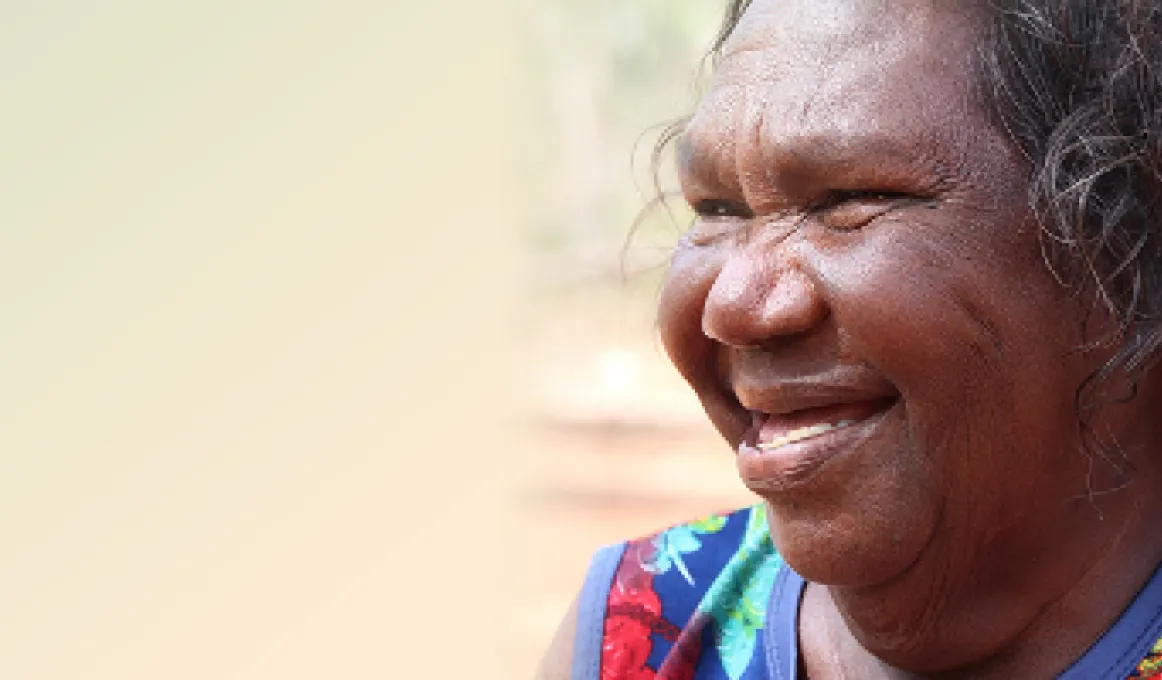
1078,86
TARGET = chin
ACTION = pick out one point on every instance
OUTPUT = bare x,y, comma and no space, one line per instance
844,551
855,506
861,520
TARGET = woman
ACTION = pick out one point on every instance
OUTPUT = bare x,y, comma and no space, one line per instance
921,301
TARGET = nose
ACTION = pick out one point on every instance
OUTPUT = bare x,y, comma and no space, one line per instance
761,296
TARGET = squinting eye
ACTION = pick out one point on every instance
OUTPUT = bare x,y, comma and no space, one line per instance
712,208
848,210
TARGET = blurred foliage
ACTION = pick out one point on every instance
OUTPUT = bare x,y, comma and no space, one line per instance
612,74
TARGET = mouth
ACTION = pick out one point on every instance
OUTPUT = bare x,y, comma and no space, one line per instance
781,450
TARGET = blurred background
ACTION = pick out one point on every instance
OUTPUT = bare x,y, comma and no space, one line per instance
326,350
620,447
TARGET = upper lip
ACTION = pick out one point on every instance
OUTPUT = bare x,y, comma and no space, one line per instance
783,395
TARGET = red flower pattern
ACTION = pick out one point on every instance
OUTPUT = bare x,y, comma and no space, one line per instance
632,611
633,615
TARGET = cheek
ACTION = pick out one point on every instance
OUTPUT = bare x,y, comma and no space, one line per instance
696,357
902,306
683,298
957,294
974,332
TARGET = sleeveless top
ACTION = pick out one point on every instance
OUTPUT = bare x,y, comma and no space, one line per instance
712,600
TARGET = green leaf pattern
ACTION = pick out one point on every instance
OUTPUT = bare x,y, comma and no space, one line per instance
671,544
737,600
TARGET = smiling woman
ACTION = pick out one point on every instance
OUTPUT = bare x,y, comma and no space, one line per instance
920,301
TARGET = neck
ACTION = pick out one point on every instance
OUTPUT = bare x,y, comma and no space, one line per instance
1030,615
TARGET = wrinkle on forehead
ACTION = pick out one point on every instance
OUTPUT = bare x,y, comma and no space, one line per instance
820,77
832,23
707,148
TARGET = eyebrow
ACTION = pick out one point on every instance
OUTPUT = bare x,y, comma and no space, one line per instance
809,160
697,161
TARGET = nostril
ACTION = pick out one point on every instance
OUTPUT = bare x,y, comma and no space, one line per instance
749,305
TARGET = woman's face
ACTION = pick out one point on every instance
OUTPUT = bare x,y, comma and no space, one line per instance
862,305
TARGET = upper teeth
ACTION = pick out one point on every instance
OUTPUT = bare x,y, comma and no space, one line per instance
802,433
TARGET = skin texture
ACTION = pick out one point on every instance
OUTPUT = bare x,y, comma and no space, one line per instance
864,233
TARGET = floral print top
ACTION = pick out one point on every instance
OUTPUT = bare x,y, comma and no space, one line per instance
712,600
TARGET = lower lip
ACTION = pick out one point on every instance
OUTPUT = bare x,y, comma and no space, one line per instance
792,465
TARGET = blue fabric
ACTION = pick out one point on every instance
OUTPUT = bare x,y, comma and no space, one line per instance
689,602
680,597
782,641
1116,653
591,612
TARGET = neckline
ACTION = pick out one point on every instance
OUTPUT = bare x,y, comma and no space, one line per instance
782,641
1115,654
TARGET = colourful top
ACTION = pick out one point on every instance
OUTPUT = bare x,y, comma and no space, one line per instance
712,600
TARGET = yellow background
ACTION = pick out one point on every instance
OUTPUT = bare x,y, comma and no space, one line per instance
257,261
323,353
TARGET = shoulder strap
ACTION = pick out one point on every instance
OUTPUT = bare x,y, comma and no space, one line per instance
591,612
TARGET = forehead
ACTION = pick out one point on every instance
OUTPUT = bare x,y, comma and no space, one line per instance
832,74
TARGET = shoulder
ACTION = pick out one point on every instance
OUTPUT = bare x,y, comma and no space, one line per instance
688,558
647,601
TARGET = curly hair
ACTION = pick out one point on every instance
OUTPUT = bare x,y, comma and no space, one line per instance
1077,84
